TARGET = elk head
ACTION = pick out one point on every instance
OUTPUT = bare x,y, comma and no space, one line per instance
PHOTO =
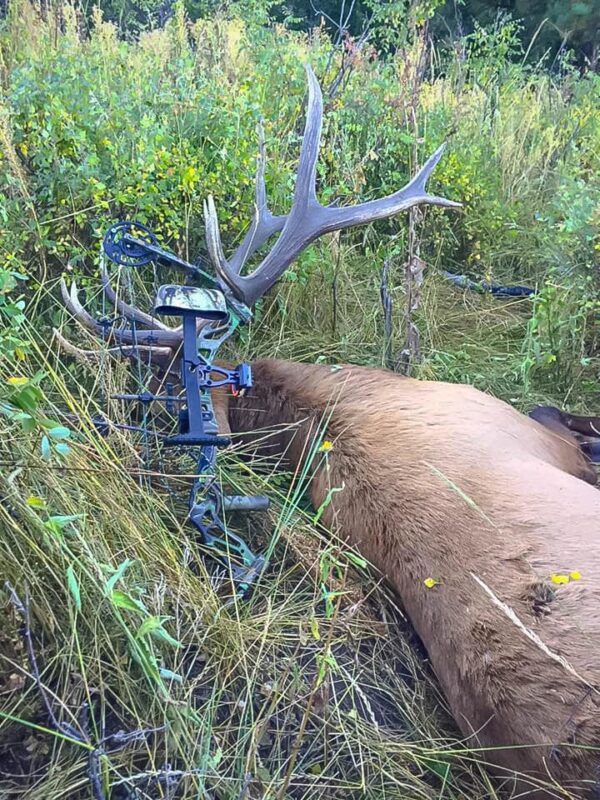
306,221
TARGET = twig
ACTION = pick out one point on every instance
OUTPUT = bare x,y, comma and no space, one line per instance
116,741
334,284
532,635
413,269
387,303
245,786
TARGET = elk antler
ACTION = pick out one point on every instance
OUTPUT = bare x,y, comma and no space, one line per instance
307,219
129,312
158,335
160,344
130,345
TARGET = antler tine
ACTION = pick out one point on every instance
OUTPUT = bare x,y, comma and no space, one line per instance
306,182
414,193
264,224
215,246
162,338
260,195
308,219
130,312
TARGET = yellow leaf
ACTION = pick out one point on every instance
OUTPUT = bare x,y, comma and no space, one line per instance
16,381
314,628
36,502
575,575
430,582
559,578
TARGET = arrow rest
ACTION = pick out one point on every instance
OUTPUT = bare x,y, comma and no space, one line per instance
131,244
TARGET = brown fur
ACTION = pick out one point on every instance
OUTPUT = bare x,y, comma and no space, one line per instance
444,481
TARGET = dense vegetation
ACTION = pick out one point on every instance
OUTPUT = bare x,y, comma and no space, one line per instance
308,691
550,27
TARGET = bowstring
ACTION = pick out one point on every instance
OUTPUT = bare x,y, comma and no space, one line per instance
142,380
104,399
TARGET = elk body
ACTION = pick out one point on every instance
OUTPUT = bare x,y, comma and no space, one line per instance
444,481
437,481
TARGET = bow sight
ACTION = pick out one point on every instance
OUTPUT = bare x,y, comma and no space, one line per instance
209,315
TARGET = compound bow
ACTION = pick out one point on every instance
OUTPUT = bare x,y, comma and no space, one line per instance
210,314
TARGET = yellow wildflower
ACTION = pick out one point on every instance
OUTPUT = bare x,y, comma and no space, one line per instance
575,575
326,446
559,578
430,582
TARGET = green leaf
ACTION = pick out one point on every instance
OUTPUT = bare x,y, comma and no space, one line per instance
45,448
27,423
118,574
62,448
35,502
356,560
214,761
440,768
143,655
168,675
165,636
148,625
126,601
59,432
73,585
154,626
314,628
27,399
21,416
62,520
327,501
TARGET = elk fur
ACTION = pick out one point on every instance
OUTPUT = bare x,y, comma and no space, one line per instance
442,480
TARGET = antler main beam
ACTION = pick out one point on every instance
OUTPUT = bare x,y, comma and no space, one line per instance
307,219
